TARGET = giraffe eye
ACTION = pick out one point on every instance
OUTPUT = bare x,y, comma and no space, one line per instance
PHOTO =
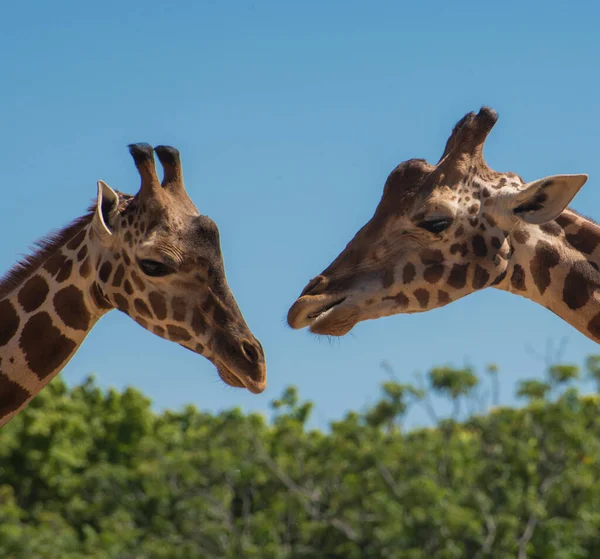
154,269
436,225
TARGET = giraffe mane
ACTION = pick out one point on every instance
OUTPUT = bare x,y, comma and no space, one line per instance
42,249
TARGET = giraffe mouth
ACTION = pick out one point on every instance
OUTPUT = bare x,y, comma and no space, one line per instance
320,313
233,379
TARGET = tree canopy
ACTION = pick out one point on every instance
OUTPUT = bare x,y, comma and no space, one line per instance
89,473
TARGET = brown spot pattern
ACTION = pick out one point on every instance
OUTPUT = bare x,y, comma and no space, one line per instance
33,293
517,279
577,289
408,274
128,287
178,334
85,269
121,303
82,253
158,304
422,296
459,247
198,323
13,395
9,321
551,228
443,298
480,277
137,280
44,346
585,240
479,246
118,277
433,274
76,240
387,277
179,307
105,271
142,308
458,276
546,257
594,327
70,307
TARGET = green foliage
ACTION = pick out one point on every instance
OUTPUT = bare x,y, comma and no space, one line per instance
86,473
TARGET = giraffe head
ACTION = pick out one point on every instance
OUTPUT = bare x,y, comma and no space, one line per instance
439,233
159,261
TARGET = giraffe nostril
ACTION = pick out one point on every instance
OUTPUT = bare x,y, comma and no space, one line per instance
250,351
315,286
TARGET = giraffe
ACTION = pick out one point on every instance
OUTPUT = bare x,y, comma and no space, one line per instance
443,231
151,256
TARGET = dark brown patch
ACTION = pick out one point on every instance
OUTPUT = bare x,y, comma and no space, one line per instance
422,296
137,280
479,246
433,274
198,323
564,220
159,331
408,274
44,346
9,321
141,322
121,303
33,293
518,278
500,278
585,240
594,327
400,300
546,257
473,221
65,271
179,307
489,219
473,208
429,257
142,308
459,247
521,236
55,263
76,240
486,192
128,287
70,307
199,349
496,243
85,269
126,258
82,253
387,277
577,289
551,228
13,395
443,298
99,298
128,238
105,271
158,304
480,277
178,334
118,277
458,276
459,231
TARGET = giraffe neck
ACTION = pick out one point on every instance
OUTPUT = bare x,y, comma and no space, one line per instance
556,265
48,304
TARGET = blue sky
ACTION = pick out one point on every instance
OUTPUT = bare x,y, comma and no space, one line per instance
289,116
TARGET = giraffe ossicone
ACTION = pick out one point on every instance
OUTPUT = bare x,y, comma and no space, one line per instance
446,230
152,256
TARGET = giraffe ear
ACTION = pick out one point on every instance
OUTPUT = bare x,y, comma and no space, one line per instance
545,199
107,206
